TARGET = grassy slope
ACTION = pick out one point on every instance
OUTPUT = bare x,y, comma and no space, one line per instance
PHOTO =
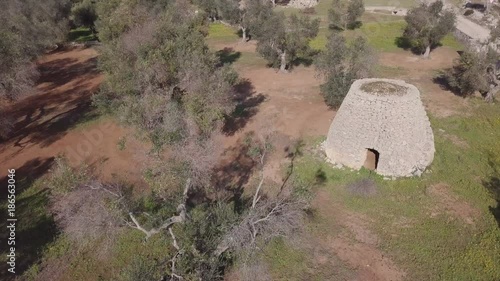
427,247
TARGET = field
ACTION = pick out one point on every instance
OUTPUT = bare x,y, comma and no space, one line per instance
444,225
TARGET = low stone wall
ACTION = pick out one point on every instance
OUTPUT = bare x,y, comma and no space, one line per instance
301,4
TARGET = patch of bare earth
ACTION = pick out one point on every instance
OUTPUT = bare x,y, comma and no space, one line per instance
421,72
45,122
451,204
456,140
356,245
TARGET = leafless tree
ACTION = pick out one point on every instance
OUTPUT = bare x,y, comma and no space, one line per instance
85,213
268,219
200,157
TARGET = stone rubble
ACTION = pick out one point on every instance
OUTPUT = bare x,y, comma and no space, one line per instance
396,126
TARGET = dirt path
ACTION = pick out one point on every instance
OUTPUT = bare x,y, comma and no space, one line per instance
356,244
46,121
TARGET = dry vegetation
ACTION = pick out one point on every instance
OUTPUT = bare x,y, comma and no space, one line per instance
230,182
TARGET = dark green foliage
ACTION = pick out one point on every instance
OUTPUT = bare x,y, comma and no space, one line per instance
427,25
473,72
343,15
340,64
84,14
282,40
467,74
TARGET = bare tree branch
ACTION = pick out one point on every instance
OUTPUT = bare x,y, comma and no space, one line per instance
181,217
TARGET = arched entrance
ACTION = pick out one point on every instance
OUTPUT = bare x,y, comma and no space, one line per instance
371,161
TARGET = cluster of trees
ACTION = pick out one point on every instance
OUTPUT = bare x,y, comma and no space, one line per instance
474,71
161,77
281,39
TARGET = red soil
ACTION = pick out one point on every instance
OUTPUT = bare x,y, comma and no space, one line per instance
46,120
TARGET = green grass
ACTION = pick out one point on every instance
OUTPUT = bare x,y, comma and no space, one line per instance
81,35
440,247
286,262
381,35
450,41
221,33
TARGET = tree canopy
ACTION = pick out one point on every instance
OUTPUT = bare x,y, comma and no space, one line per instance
474,71
160,74
282,39
427,24
84,14
345,14
342,63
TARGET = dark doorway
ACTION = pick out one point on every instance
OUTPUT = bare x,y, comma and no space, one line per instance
371,161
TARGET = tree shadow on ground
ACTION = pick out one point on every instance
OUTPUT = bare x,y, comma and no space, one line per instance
41,120
234,173
35,228
357,24
247,102
493,186
442,80
25,175
475,6
306,59
444,84
406,44
282,2
227,56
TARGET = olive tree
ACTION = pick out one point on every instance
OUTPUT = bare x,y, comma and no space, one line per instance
473,72
161,76
84,14
342,63
427,24
281,39
345,14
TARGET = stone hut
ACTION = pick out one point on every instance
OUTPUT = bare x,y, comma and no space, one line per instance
382,125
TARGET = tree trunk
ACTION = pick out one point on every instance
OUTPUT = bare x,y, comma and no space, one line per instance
491,93
243,34
283,62
427,52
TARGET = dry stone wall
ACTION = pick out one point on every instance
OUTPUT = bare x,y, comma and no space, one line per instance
395,125
301,4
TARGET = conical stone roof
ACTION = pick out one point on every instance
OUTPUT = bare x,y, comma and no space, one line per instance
386,116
